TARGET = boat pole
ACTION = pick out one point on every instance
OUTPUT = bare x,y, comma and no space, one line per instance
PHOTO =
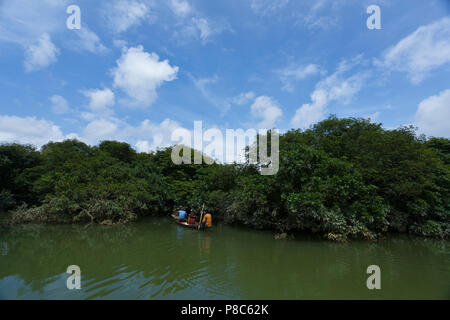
201,218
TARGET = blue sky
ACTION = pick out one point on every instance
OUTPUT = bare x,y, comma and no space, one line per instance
139,69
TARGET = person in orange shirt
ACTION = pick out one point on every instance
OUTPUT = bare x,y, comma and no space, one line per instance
207,221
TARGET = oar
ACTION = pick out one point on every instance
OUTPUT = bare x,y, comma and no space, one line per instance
201,218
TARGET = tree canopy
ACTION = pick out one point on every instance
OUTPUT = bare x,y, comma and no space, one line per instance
342,178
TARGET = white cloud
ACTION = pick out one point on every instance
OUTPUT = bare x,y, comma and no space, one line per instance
32,25
180,7
40,55
421,52
267,110
120,43
140,73
292,73
59,104
200,28
243,98
100,100
192,25
433,114
301,73
321,14
88,41
315,21
158,134
373,117
146,136
336,87
342,89
201,84
143,146
310,113
203,26
102,129
124,14
28,130
23,21
240,100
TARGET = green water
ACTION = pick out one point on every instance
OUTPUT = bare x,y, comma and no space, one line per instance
156,259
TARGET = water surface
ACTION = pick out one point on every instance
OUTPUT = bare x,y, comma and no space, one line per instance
157,259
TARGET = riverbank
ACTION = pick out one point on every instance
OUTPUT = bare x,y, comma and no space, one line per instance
281,231
23,218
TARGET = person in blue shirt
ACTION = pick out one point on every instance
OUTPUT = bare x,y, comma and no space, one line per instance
181,214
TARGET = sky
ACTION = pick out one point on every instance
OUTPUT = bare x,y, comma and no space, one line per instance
137,70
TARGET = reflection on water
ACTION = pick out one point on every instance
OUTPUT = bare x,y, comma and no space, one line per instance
157,259
3,248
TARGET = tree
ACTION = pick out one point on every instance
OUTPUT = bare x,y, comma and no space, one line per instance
119,150
15,184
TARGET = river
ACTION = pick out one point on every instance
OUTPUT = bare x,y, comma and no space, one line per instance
157,259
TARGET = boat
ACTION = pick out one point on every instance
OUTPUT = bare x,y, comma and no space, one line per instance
185,224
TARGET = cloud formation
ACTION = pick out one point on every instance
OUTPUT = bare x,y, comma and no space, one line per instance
28,130
193,25
320,14
35,25
88,41
291,74
243,98
121,15
139,74
421,52
433,114
59,104
266,109
336,87
100,100
180,7
41,54
23,21
146,136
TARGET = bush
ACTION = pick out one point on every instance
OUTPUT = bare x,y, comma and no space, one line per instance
7,200
432,229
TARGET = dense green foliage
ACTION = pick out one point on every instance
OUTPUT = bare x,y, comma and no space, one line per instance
343,178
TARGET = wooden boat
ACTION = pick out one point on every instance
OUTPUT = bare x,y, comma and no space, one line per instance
185,224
